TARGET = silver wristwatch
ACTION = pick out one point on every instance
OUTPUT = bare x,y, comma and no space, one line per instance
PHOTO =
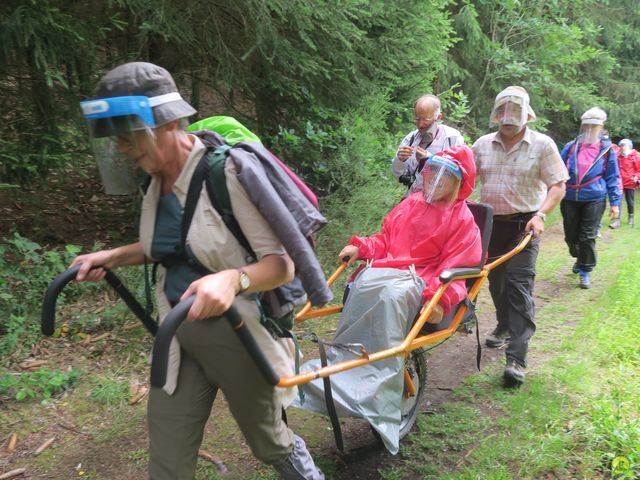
540,214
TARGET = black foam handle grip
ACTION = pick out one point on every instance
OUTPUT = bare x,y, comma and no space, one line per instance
48,318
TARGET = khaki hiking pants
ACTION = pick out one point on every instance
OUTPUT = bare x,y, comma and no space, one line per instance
213,358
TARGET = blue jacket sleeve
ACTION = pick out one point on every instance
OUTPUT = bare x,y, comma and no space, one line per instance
564,153
612,177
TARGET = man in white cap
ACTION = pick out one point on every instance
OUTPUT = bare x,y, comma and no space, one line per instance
593,174
523,179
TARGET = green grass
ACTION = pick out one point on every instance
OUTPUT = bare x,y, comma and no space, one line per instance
42,383
110,390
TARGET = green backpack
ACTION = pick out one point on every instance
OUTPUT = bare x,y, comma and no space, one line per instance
230,128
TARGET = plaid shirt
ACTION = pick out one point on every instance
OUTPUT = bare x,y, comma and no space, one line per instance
517,181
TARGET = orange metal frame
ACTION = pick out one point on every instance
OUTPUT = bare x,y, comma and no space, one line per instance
412,341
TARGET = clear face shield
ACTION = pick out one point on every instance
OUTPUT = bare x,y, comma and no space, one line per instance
509,110
589,134
441,181
121,131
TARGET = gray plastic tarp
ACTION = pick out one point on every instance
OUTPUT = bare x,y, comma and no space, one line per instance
378,313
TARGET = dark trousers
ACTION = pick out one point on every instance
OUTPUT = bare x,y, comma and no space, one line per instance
629,195
511,284
581,221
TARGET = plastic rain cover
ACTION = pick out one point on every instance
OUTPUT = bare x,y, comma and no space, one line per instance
378,314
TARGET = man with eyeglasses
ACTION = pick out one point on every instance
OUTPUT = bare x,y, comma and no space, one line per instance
430,137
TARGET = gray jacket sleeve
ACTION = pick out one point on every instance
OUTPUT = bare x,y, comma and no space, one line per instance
398,167
292,216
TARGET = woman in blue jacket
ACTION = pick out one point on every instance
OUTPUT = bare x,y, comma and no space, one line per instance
593,174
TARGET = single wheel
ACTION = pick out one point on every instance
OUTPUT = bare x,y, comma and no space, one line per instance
416,365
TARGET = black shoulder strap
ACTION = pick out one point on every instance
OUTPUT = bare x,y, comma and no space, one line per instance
328,398
210,171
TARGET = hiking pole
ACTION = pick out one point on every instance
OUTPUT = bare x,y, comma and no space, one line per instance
48,319
174,319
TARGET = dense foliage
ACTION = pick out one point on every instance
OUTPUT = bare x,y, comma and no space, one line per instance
291,69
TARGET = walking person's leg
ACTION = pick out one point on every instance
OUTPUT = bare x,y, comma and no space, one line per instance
503,238
255,405
520,279
176,423
500,334
629,196
590,214
571,222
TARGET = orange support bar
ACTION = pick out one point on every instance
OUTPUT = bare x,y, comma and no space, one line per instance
320,312
408,384
413,339
302,314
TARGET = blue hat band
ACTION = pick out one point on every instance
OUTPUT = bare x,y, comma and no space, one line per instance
137,106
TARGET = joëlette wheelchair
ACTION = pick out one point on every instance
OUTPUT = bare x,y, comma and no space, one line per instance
461,318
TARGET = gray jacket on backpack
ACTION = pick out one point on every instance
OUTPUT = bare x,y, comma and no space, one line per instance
276,196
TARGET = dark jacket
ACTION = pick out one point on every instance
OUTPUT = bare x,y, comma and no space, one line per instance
601,178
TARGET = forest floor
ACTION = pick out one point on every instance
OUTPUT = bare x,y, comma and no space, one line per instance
100,433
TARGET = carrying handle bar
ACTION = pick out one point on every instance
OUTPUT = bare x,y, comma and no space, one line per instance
48,319
175,318
303,314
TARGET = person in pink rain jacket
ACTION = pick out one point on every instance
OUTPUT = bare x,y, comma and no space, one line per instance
432,229
629,162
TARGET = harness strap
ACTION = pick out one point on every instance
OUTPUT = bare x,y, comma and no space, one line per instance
328,398
472,308
576,186
471,317
216,185
193,194
132,303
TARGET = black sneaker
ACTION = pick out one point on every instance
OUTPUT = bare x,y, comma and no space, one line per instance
497,338
514,374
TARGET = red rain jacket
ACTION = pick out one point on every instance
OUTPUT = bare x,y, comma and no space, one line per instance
432,239
629,168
